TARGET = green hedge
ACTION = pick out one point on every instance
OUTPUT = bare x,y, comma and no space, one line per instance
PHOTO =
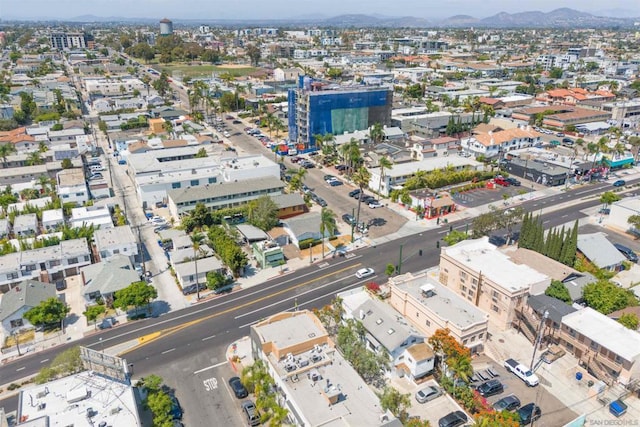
307,243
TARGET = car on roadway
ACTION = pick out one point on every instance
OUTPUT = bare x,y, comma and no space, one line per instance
307,164
157,220
161,228
239,390
375,204
529,413
176,410
226,134
341,168
619,183
365,272
428,393
322,202
508,403
490,388
453,419
366,199
95,176
335,182
229,118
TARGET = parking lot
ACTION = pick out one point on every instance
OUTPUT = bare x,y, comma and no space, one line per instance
483,196
434,409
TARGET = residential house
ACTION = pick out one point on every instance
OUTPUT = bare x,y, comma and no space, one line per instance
478,271
289,204
607,348
389,333
268,254
304,228
313,381
186,271
114,241
102,279
20,139
492,144
431,306
442,146
20,299
52,219
287,74
156,126
25,225
96,216
72,186
542,308
600,251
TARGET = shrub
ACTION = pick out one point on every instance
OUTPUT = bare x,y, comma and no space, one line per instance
13,386
373,287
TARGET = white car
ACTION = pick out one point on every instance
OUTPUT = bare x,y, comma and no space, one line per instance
375,205
226,134
365,272
157,220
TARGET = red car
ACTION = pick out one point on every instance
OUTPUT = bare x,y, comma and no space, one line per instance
501,181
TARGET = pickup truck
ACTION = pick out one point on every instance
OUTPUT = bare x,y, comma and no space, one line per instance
521,372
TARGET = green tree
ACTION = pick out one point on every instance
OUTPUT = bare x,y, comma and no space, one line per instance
390,270
5,151
454,237
558,290
606,297
65,363
384,163
227,249
608,197
395,402
49,312
202,153
34,158
634,221
216,280
327,224
93,312
629,320
263,212
66,164
160,405
376,133
254,54
496,419
135,295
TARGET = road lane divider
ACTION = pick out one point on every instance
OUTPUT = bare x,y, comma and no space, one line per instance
170,331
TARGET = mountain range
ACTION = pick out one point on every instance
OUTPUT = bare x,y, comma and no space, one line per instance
559,18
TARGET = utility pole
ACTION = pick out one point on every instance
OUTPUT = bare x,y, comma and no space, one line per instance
538,338
400,261
17,338
353,213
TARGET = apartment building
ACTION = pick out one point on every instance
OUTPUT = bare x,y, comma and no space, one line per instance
317,108
487,278
67,41
313,381
605,346
430,306
399,174
111,87
223,195
492,144
49,264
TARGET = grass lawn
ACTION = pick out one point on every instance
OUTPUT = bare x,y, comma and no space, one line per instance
23,337
204,70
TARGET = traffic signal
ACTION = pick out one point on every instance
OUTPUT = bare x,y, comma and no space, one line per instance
420,252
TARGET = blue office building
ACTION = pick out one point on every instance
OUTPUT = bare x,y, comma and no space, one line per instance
317,107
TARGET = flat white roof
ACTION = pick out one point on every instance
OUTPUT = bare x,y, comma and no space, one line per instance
481,256
605,331
65,401
428,164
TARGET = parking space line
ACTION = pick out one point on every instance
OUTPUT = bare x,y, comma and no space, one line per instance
210,367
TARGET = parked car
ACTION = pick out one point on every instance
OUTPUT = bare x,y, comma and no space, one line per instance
229,117
618,408
236,122
191,289
335,183
157,220
328,177
453,419
428,393
529,413
604,211
507,403
500,180
341,168
366,199
176,410
522,372
238,388
627,252
95,176
553,353
376,204
354,193
365,272
490,388
322,202
349,219
620,183
251,412
513,181
307,164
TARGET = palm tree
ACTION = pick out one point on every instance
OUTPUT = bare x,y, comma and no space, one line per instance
43,180
327,224
42,147
5,151
196,241
351,154
297,180
361,178
384,163
34,158
376,133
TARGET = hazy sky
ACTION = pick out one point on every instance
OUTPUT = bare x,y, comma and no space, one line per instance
267,9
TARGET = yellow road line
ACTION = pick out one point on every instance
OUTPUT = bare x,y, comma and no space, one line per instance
149,338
